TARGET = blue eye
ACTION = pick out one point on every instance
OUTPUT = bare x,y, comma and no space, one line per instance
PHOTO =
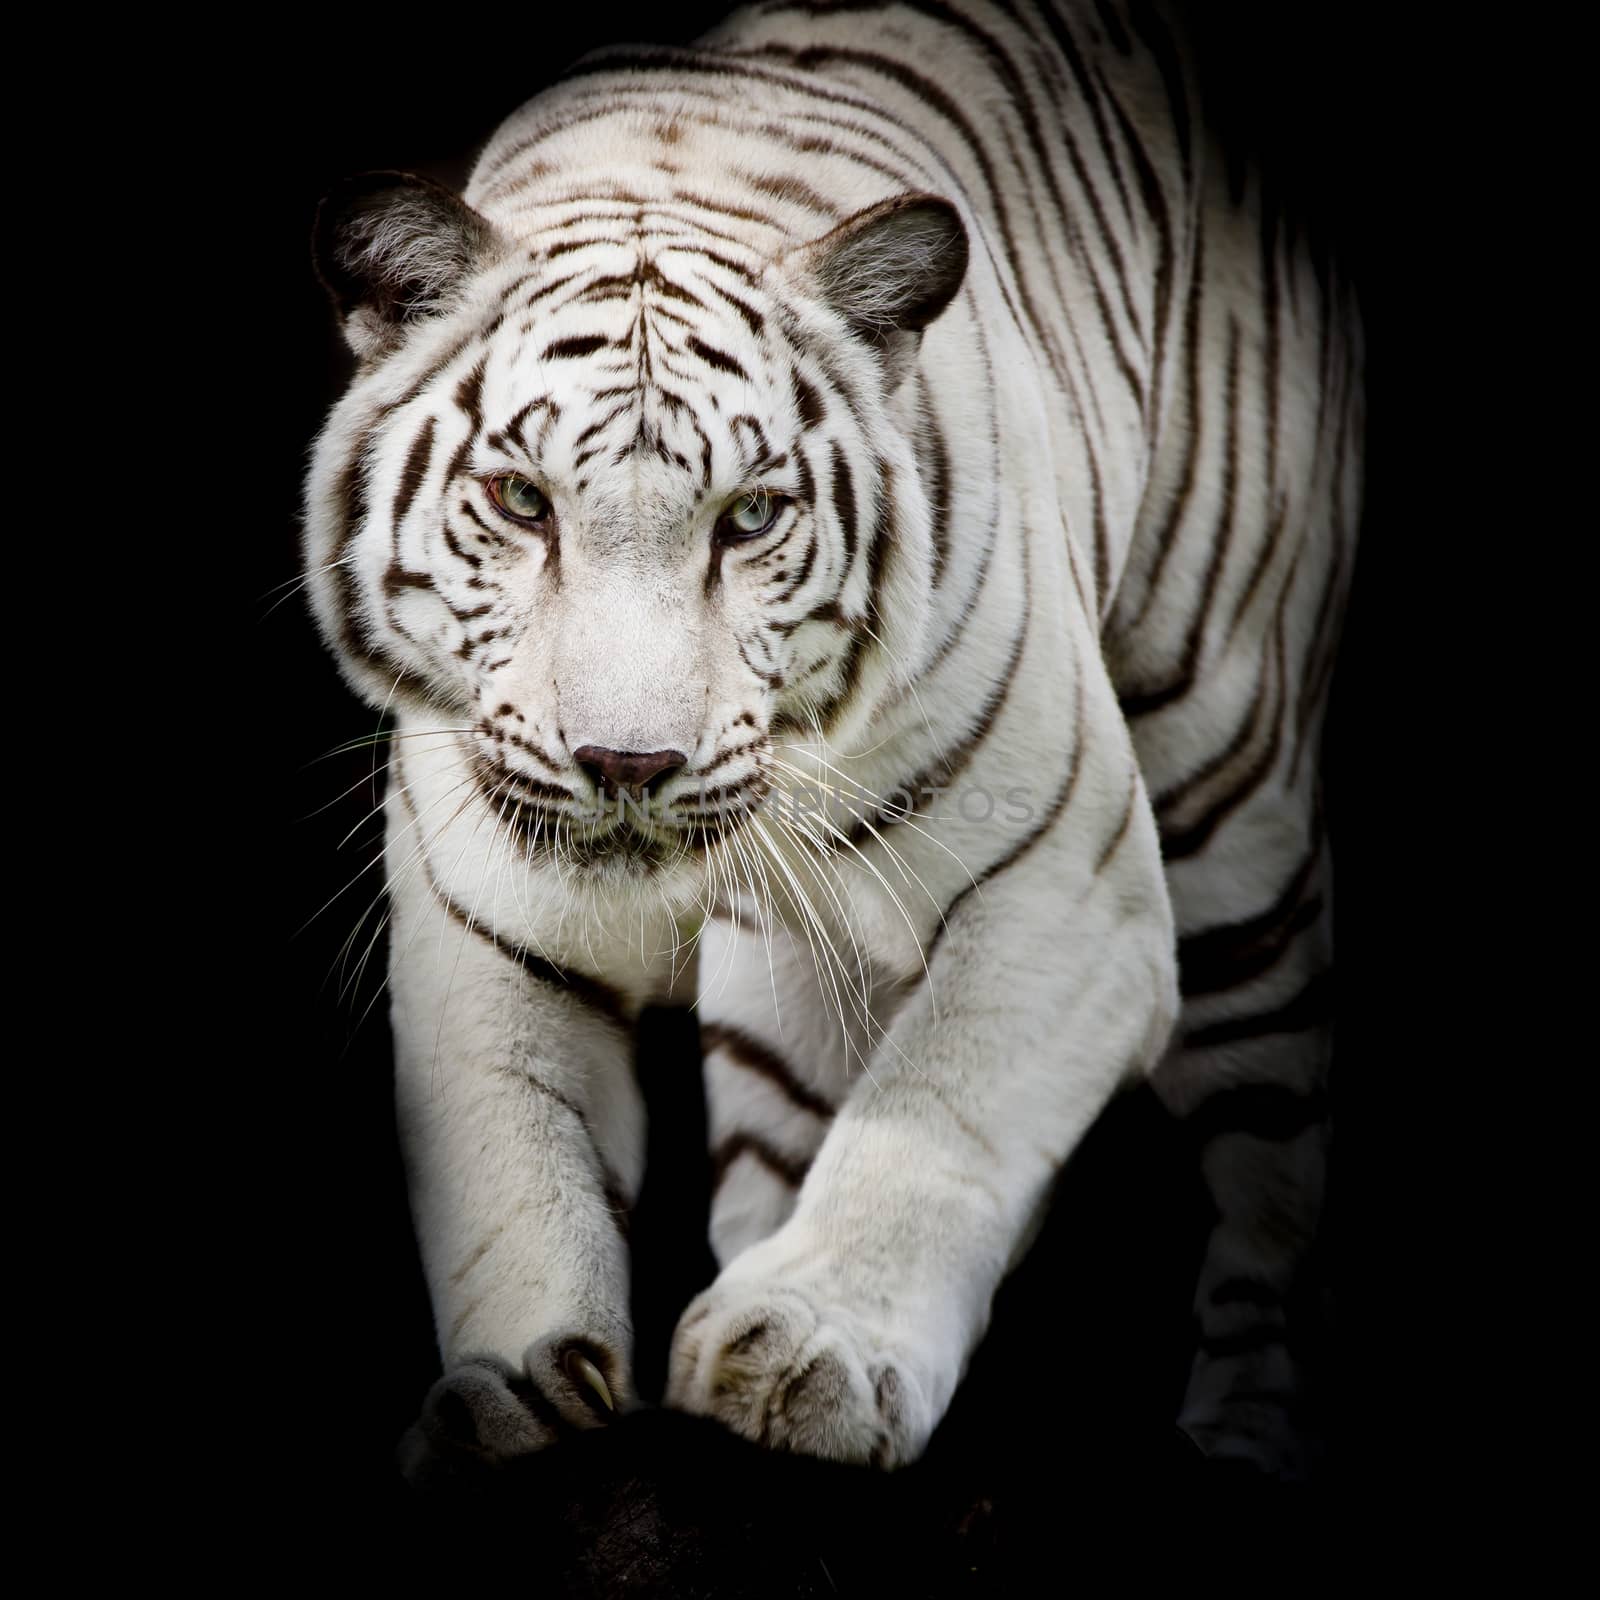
520,499
750,513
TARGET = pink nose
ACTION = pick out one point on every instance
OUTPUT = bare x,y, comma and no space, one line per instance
634,770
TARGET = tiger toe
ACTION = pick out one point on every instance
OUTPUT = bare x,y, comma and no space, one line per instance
789,1373
484,1412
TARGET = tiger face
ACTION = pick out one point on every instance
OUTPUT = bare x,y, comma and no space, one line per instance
622,504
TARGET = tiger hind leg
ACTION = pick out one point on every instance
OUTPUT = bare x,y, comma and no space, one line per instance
1247,1077
1223,640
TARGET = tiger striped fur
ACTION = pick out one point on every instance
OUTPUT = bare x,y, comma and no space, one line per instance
936,789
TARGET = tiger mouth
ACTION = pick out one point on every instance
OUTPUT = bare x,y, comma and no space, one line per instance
620,831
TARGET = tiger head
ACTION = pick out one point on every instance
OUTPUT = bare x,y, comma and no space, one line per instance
623,501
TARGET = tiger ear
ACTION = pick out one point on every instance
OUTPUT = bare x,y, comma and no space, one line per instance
391,249
890,270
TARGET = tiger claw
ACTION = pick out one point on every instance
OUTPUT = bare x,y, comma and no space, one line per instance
582,1370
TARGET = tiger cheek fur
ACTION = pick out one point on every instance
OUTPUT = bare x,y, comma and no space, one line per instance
891,562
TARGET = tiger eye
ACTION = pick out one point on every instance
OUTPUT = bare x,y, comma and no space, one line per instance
751,513
520,499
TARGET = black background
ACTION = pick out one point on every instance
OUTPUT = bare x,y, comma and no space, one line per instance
303,1248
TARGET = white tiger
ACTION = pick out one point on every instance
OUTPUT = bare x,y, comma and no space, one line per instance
856,514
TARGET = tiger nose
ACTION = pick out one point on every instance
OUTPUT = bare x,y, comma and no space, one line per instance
633,770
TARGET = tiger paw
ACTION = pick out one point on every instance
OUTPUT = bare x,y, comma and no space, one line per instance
784,1367
483,1412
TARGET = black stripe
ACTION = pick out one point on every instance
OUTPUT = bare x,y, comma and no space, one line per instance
1260,1110
729,1150
1142,702
719,359
1021,848
751,1054
1167,539
578,345
1220,958
591,992
416,468
1311,1008
844,504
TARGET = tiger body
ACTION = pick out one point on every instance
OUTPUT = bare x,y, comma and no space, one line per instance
1006,726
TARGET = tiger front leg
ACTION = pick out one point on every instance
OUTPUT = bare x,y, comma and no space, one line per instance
845,1332
777,1065
523,1134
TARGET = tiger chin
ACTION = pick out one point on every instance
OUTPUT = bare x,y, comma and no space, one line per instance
758,470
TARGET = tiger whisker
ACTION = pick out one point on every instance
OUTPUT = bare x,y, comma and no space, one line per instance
834,969
871,1026
753,863
811,926
895,900
394,881
296,584
907,873
380,736
356,878
468,926
878,802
